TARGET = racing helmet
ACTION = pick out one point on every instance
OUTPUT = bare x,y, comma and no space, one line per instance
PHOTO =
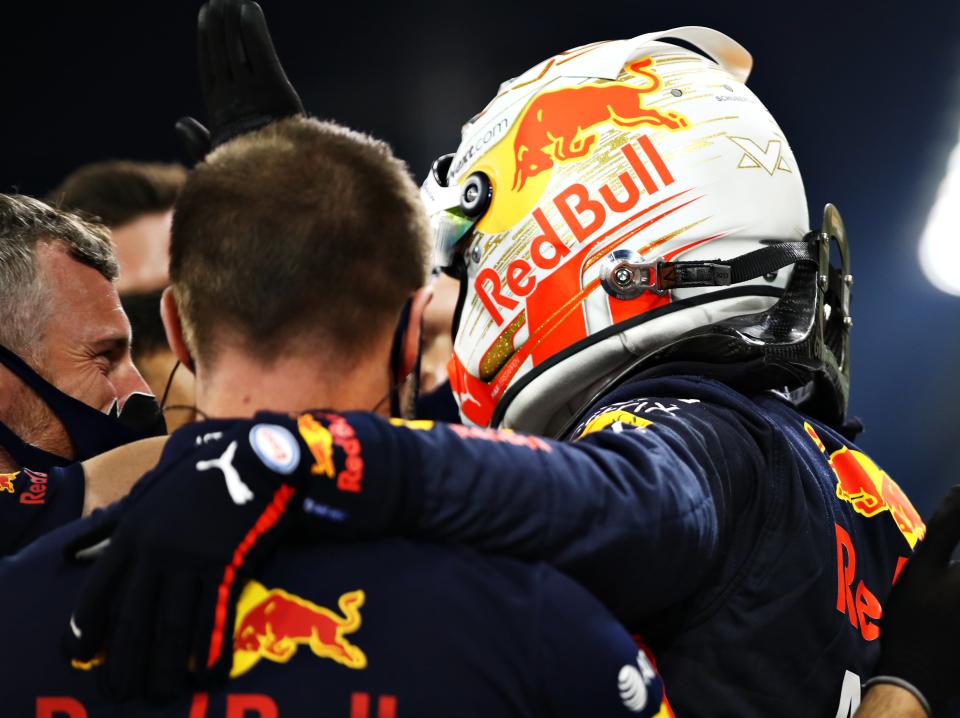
626,205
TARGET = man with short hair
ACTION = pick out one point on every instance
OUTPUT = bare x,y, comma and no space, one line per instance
66,375
335,240
277,306
135,200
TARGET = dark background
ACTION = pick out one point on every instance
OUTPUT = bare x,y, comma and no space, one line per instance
868,94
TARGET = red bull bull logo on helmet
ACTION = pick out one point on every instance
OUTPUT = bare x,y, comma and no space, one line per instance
273,624
559,126
870,490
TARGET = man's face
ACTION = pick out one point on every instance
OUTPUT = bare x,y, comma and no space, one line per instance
84,351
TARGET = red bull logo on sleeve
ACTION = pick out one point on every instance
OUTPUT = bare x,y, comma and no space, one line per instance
870,490
559,126
273,624
6,481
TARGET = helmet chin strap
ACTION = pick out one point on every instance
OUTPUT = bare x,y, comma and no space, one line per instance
458,271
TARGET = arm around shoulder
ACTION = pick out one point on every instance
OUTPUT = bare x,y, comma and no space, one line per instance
110,476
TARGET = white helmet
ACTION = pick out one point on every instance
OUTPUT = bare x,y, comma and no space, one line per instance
625,204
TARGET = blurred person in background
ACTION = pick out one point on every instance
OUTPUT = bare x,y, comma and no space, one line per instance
68,387
270,235
135,200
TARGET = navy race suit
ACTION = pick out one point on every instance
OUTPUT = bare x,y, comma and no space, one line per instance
388,629
751,546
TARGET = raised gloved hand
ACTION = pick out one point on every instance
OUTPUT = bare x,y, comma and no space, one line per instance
159,605
244,85
920,628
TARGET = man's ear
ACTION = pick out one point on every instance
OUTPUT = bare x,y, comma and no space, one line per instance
411,340
170,314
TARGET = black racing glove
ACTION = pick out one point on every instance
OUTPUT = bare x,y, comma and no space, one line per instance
920,628
158,608
244,85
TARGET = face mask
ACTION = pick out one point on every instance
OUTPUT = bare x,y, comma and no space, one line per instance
91,431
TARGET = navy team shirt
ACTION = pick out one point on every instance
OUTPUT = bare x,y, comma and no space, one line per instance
386,629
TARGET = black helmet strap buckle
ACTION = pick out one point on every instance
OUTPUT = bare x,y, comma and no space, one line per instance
624,274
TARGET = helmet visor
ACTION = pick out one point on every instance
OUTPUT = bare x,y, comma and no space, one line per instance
448,224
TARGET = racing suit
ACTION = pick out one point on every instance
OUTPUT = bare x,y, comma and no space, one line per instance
750,545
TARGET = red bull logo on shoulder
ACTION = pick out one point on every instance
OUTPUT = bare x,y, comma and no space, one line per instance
273,624
870,490
559,126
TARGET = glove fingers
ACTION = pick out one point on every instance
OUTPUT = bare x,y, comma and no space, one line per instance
263,57
943,531
256,38
174,637
217,46
85,635
233,38
132,629
204,52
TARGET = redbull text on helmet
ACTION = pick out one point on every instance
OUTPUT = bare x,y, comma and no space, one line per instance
563,126
583,214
